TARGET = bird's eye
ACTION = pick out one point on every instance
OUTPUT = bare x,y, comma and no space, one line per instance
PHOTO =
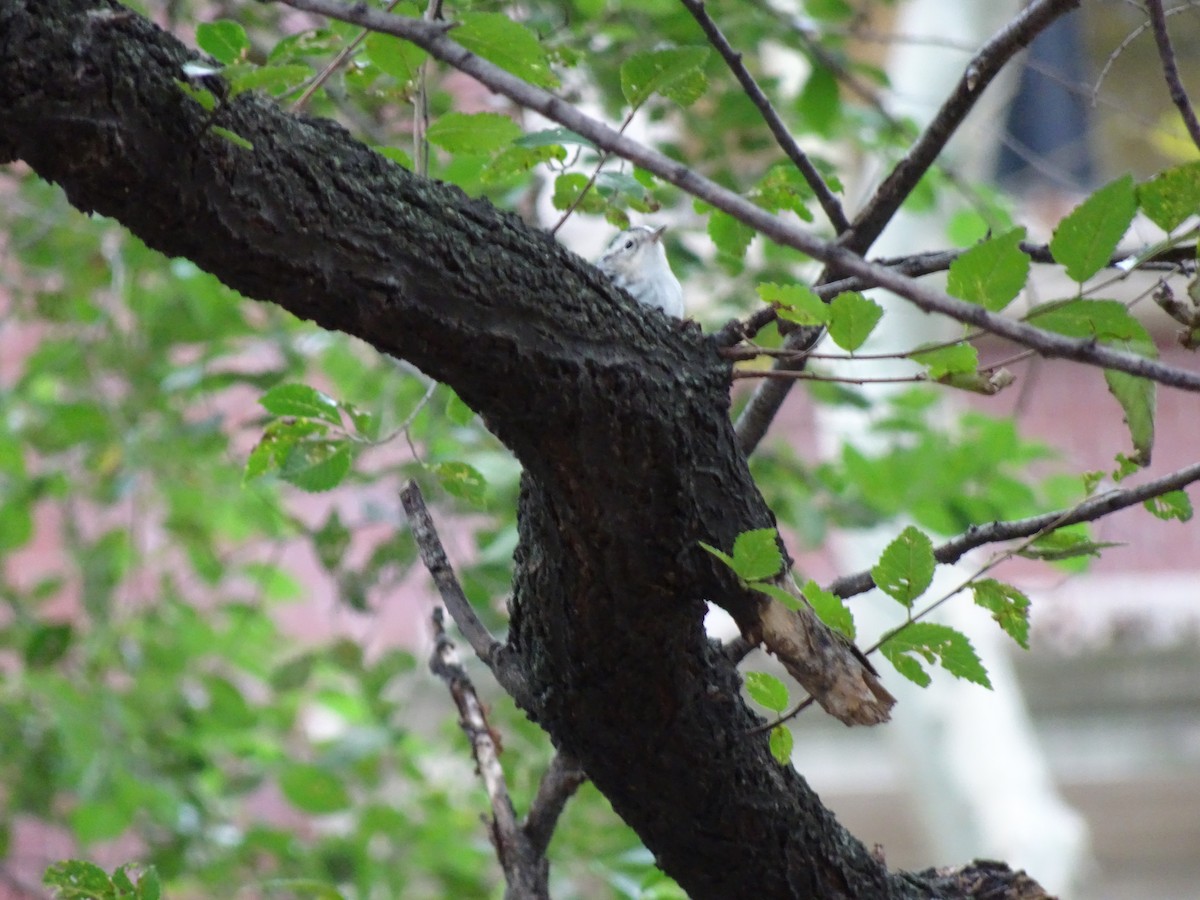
629,245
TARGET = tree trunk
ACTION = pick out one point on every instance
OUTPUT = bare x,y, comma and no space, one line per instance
620,420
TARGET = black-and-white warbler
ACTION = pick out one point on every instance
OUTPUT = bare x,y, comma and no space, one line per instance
637,262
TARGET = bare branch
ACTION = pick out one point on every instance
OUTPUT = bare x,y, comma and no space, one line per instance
526,872
559,783
783,137
432,38
980,71
1087,511
1166,53
433,554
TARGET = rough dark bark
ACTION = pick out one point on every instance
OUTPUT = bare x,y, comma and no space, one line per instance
620,420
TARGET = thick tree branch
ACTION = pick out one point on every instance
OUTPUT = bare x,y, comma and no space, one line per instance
620,421
433,40
1088,511
526,871
1166,53
783,137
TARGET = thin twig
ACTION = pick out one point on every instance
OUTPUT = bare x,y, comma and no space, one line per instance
604,155
783,137
559,783
1158,23
433,554
1087,511
334,64
526,873
433,39
980,71
739,374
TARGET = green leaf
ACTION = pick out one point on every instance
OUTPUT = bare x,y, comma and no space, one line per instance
731,237
852,319
100,820
473,132
273,80
457,411
1137,398
955,359
1175,505
206,98
767,691
819,105
674,73
1105,320
756,554
830,609
1063,544
1008,606
932,642
318,465
1085,240
302,887
302,401
313,789
508,44
992,273
719,554
783,187
223,40
76,878
783,596
905,570
1172,196
233,137
797,303
782,743
394,56
47,645
567,188
463,481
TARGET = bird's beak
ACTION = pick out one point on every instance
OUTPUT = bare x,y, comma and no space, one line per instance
657,233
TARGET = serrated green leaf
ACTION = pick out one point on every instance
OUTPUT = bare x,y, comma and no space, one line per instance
1105,320
317,465
1085,240
567,188
1174,505
674,73
905,570
819,104
782,744
1009,607
394,56
1064,544
1172,196
508,44
783,187
776,592
719,554
852,318
473,132
313,790
77,878
302,401
932,642
992,273
955,359
223,40
756,554
273,80
1137,399
830,609
463,481
767,691
797,303
731,237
